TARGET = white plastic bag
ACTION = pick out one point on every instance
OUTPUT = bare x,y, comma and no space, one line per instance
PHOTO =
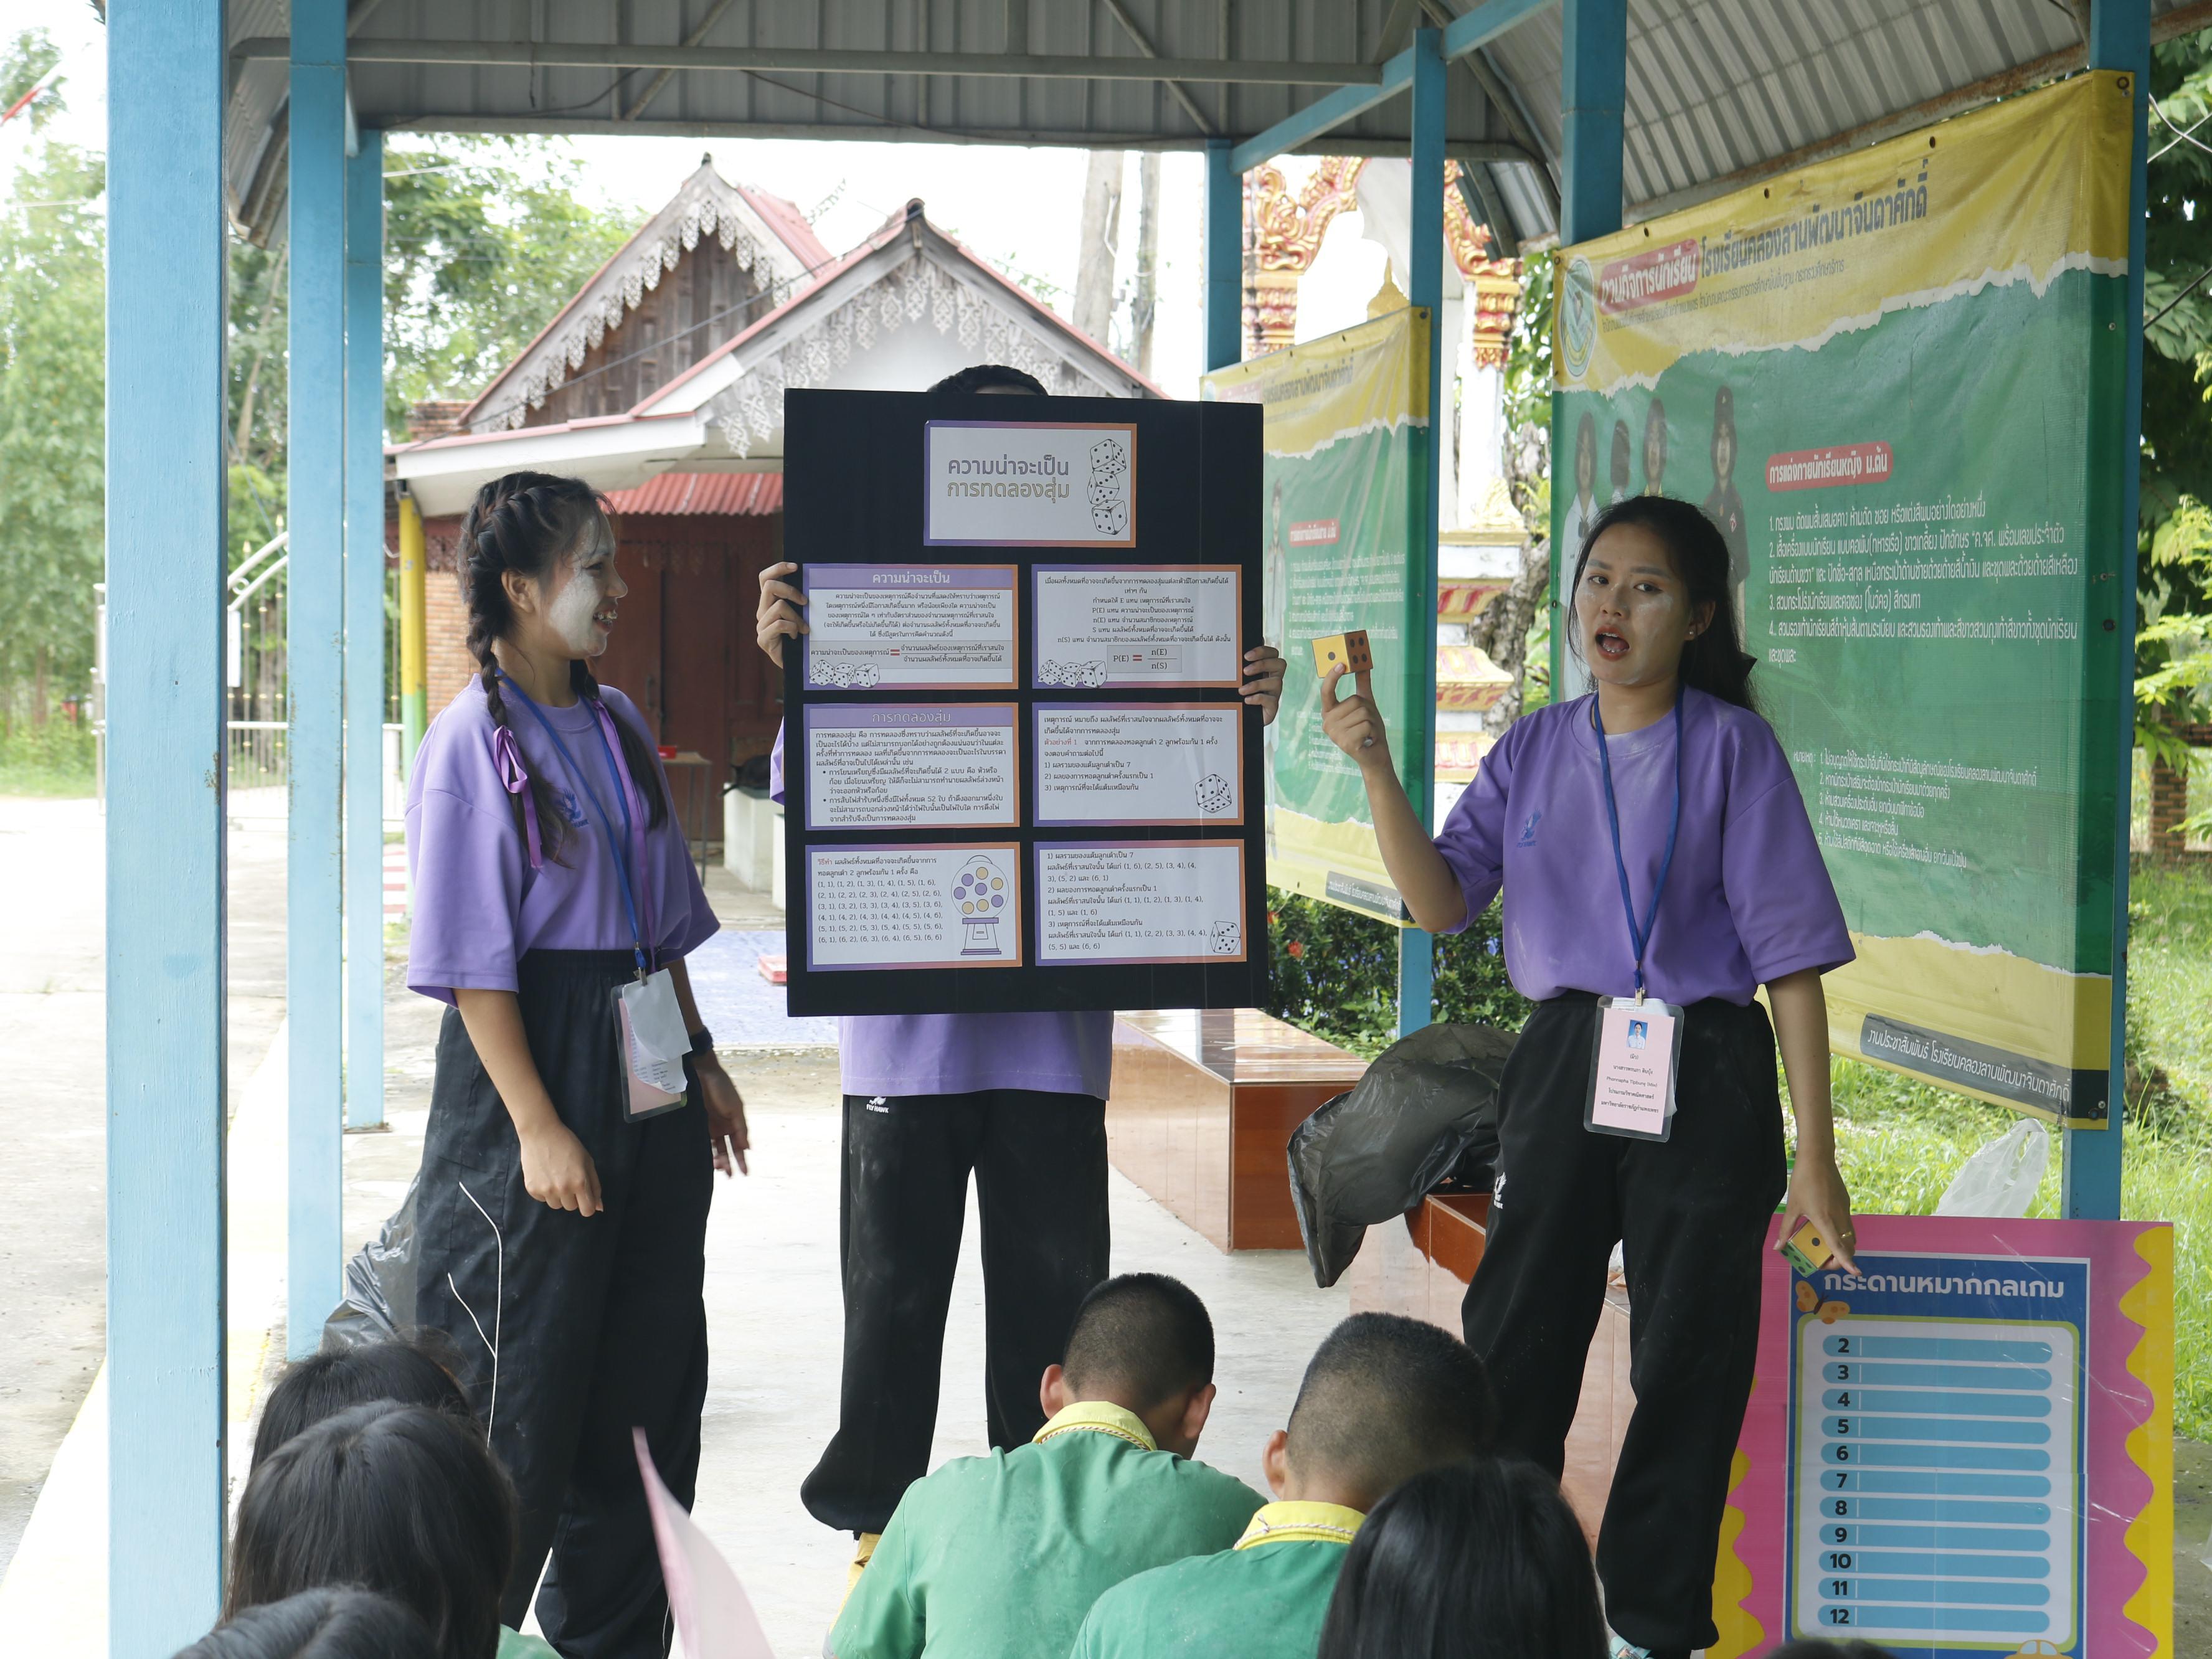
2001,1179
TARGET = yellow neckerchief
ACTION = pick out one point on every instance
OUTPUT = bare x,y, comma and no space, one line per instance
1312,1524
1099,1417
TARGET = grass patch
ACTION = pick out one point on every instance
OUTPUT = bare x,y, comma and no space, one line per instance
53,759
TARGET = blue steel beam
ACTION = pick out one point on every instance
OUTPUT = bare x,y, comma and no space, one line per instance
1225,257
1593,99
1476,28
2119,38
1424,287
364,633
1593,104
165,823
314,651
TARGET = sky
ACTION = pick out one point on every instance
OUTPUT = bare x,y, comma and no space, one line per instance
1020,208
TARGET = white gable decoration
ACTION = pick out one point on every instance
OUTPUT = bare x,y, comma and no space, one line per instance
810,352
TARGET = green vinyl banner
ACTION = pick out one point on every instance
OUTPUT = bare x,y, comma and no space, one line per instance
1892,381
1346,416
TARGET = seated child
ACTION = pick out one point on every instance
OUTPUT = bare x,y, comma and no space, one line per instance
324,1384
319,1624
1475,1560
399,1499
1384,1399
999,1557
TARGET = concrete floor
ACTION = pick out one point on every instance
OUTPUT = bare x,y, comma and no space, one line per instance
773,1308
54,1054
772,1280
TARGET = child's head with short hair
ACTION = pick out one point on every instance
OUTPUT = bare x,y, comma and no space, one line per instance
325,1383
1479,1559
1384,1398
319,1623
400,1500
1144,1342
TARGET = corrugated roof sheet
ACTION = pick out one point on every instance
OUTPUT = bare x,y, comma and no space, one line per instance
739,494
1715,87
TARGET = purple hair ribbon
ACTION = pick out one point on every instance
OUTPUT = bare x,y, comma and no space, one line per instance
507,756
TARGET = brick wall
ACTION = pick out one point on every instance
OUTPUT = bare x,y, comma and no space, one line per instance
446,631
2169,805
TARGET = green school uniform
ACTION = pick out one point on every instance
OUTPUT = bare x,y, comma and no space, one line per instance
514,1644
1265,1599
1000,1556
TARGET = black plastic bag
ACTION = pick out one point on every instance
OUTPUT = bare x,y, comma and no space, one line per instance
1426,1109
379,1285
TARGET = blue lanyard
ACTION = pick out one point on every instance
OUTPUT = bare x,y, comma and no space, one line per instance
1641,937
606,823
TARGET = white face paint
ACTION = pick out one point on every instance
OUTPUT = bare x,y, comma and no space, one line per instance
583,608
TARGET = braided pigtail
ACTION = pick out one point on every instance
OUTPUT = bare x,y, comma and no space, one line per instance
643,763
520,523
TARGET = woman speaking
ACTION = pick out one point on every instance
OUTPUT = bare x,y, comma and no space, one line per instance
1658,868
561,1207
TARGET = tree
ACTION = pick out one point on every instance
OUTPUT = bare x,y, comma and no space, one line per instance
52,410
484,240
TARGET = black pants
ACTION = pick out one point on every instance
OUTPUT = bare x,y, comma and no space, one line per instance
599,1322
1040,1166
1693,1212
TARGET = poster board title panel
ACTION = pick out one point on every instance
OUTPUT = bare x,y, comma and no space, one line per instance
1029,484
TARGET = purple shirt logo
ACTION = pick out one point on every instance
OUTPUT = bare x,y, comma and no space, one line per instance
1529,829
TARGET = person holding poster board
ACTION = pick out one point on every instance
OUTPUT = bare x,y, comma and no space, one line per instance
1659,868
1017,1098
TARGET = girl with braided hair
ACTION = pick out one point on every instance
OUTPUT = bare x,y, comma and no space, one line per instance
550,884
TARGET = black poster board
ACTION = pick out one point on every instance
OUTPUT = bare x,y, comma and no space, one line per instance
1019,775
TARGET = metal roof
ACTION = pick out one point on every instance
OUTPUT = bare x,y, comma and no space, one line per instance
746,494
1717,89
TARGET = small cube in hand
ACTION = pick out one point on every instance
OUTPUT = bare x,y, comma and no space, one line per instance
1348,650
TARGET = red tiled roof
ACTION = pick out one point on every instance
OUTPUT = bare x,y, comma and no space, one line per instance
743,495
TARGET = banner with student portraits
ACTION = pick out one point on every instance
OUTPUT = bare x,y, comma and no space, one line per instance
1344,471
1893,380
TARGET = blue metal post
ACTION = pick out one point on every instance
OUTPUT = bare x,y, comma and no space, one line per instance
364,633
165,493
314,651
2119,38
1225,257
1425,256
1593,102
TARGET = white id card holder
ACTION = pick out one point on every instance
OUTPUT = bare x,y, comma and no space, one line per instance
1633,1066
649,1025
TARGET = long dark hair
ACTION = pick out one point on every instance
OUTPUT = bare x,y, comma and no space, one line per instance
319,1623
527,522
1475,1560
1714,662
399,1499
324,1384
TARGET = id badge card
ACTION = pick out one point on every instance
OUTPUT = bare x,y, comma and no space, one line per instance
1632,1066
649,1025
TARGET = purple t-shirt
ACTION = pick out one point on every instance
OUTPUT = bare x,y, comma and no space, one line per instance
478,905
1748,901
895,1055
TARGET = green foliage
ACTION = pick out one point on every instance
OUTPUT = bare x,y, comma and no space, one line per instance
53,759
1528,353
1335,973
53,424
484,240
25,63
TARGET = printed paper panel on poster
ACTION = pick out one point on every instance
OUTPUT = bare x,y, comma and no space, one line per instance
1882,378
1139,901
1965,1448
912,766
923,626
909,905
1139,762
1344,416
1030,483
1101,626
